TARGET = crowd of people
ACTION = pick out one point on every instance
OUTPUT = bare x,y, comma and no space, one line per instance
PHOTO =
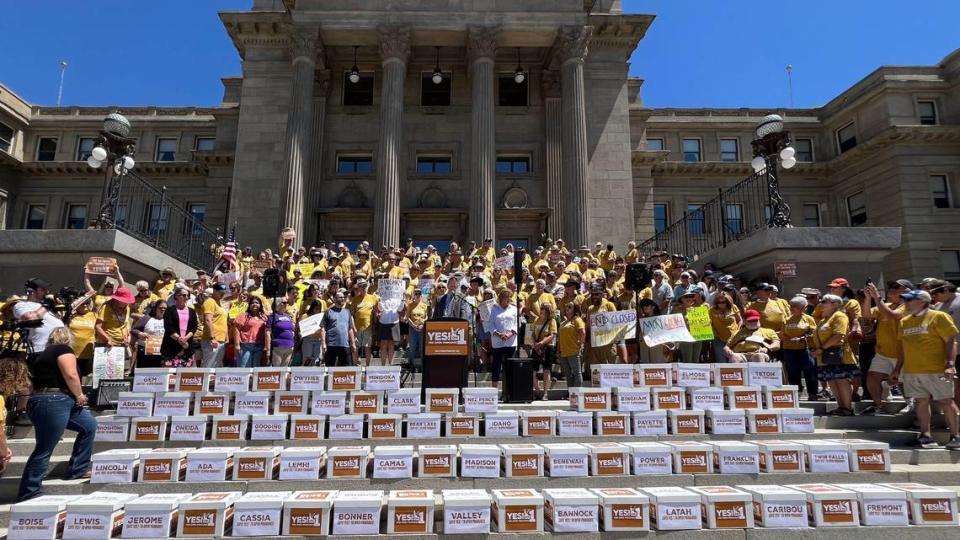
837,343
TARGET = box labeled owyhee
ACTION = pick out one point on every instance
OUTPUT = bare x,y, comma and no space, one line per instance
611,375
781,397
650,458
291,402
172,404
229,427
259,513
763,421
764,374
403,401
729,375
778,507
867,456
152,516
366,402
929,505
252,403
631,398
623,509
210,464
301,462
522,460
743,397
346,379
501,424
330,403
135,404
307,427
571,510
479,461
463,425
481,400
608,459
148,428
466,511
686,422
649,424
119,465
270,379
692,457
830,506
193,380
825,456
98,515
517,511
212,403
655,375
437,460
346,427
880,505
307,513
112,428
538,423
574,424
393,461
162,464
735,457
796,420
708,398
668,397
781,456
384,426
673,508
692,375
723,422
347,461
424,426
232,379
357,512
256,462
207,514
613,423
310,379
410,511
153,380
566,459
725,507
442,400
380,378
40,518
269,427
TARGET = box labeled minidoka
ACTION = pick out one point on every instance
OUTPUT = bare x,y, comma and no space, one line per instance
379,378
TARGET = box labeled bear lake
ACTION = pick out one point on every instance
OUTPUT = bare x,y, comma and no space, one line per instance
193,380
344,378
347,461
929,505
781,456
423,426
98,515
522,460
830,506
112,428
651,423
189,428
153,380
437,460
118,465
608,459
480,400
307,378
502,424
566,459
212,403
777,507
163,464
135,404
725,507
346,427
517,510
574,424
650,458
251,403
692,375
210,464
571,510
479,461
330,403
152,516
301,462
357,512
623,509
256,462
207,514
307,513
307,426
259,513
382,378
232,379
673,508
403,401
631,398
880,505
466,511
172,404
393,461
40,518
410,511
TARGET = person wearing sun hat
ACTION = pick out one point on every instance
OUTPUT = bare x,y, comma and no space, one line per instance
113,320
752,342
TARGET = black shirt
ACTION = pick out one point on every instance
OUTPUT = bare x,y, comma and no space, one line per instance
45,371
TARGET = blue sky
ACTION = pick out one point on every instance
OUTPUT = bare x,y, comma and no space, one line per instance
698,53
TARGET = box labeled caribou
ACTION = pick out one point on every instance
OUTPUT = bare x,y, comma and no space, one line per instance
301,462
162,464
466,511
380,378
229,428
270,379
307,513
479,461
393,462
152,516
692,457
574,424
232,379
403,401
566,459
522,460
252,403
347,461
256,463
724,507
135,404
344,378
98,515
330,403
735,457
777,507
307,426
517,510
148,428
291,402
40,518
346,427
686,422
631,398
119,465
437,460
692,375
410,511
357,512
830,506
623,509
608,459
269,427
384,426
651,423
366,402
442,400
259,513
480,400
650,458
781,456
112,428
880,505
571,510
929,505
503,423
172,404
309,379
210,464
207,514
673,508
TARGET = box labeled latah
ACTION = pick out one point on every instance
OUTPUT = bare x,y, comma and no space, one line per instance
112,428
825,456
207,514
501,424
162,464
463,425
148,428
301,462
707,398
291,402
574,424
692,375
611,375
384,426
172,404
442,400
571,510
193,380
437,460
479,461
522,460
764,374
673,508
229,428
410,511
692,457
880,505
307,426
357,512
379,378
330,403
735,457
763,421
252,403
729,375
650,458
347,461
212,403
97,515
929,505
153,380
686,422
608,459
403,401
466,511
778,507
366,402
259,513
307,513
743,397
538,423
623,509
232,379
667,398
269,427
723,422
566,459
424,426
867,456
40,518
256,462
270,379
613,423
135,404
830,506
631,398
307,379
480,400
346,427
152,516
781,397
781,456
347,379
517,510
655,375
725,507
393,461
118,465
652,423
210,464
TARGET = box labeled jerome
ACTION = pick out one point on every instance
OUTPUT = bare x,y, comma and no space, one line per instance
725,507
152,516
880,505
686,422
650,458
98,515
307,513
631,398
232,379
764,374
574,424
366,402
437,460
153,380
501,424
193,380
735,457
207,514
611,375
347,461
830,506
729,375
380,378
384,426
612,423
655,374
330,403
777,507
252,403
112,428
41,518
781,456
566,459
403,401
135,404
307,379
479,461
608,459
346,379
270,379
172,404
229,428
307,426
571,510
301,462
929,505
162,465
256,463
708,398
269,427
623,509
517,510
346,427
466,511
522,460
357,512
825,457
393,462
442,400
480,400
667,398
119,465
463,425
423,426
692,375
652,423
291,402
410,511
726,422
692,457
763,421
673,508
259,513
538,423
782,397
210,464
867,456
212,403
743,397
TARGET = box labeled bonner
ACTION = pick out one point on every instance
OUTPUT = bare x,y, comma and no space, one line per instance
346,427
40,518
692,457
686,422
269,427
152,516
574,424
480,400
229,428
366,402
613,423
135,404
729,375
98,515
867,456
650,458
463,425
778,507
112,428
270,379
725,507
307,378
291,402
517,510
149,429
666,398
656,374
566,459
743,397
115,466
709,398
307,426
764,374
538,423
423,426
210,464
154,380
393,461
781,456
259,513
410,511
382,378
252,403
735,457
796,420
172,404
212,403
781,397
307,513
207,514
673,508
590,399
726,422
162,464
631,399
437,460
256,463
522,460
344,378
301,462
232,379
347,461
466,511
692,375
403,401
608,459
502,424
623,509
357,512
329,403
825,456
479,461
880,505
384,426
830,506
442,400
571,510
929,505
651,423
193,380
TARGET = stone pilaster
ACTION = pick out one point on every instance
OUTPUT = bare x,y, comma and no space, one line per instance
315,168
394,52
550,82
304,42
482,51
571,51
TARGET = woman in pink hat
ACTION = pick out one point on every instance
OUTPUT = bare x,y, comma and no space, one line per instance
113,321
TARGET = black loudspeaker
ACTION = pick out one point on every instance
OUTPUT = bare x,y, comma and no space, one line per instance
274,283
518,266
637,276
518,380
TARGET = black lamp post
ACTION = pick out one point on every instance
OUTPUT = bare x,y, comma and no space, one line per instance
114,152
772,147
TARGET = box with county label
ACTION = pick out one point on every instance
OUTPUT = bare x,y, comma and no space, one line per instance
517,511
210,464
501,423
269,427
631,399
207,514
98,515
382,378
880,505
522,460
152,516
566,459
305,427
466,511
328,403
778,507
424,426
726,422
692,375
307,513
830,506
172,404
155,380
291,402
574,424
119,466
232,379
393,461
825,456
735,457
256,462
135,404
252,403
112,428
307,378
743,397
357,512
725,507
163,464
403,401
651,423
929,505
410,511
673,509
259,513
650,458
480,400
38,519
608,459
189,428
764,374
709,398
302,462
611,375
571,510
623,509
346,427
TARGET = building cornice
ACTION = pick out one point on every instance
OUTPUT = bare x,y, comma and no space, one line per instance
264,29
618,31
146,168
891,136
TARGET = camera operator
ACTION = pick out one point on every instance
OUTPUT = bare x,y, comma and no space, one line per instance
32,309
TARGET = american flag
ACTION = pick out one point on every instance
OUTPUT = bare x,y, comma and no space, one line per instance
228,258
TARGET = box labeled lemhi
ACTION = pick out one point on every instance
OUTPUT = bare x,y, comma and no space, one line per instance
571,510
259,513
307,513
650,458
673,508
152,516
301,462
517,511
207,514
410,511
623,509
880,505
830,506
725,507
778,507
466,511
357,512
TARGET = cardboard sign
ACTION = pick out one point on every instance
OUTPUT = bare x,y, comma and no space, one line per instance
699,320
391,293
107,364
151,346
664,329
446,338
311,325
608,327
260,265
102,266
503,263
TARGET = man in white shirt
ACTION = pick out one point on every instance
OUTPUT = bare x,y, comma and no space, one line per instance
31,309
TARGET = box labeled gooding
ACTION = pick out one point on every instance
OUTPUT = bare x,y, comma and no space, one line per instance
269,427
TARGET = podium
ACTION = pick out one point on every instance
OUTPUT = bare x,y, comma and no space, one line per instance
446,353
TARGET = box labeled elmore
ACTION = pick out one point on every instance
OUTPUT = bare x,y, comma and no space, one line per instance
98,515
152,516
517,510
207,514
692,375
571,510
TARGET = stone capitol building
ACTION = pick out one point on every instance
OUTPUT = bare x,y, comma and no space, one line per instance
465,119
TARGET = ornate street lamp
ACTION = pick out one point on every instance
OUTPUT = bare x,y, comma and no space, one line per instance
355,71
114,152
519,75
437,77
771,147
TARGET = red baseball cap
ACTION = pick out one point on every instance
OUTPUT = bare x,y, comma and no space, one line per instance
751,315
840,282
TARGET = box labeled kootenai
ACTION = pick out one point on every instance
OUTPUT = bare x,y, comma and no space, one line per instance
410,511
608,459
232,379
781,456
929,505
256,463
346,427
522,460
207,514
384,426
830,506
229,427
631,398
623,509
393,461
692,457
357,512
291,402
778,507
735,457
725,507
686,422
301,462
307,513
307,427
673,508
380,378
466,511
210,464
880,505
692,375
502,424
329,403
650,458
135,404
98,515
162,464
651,423
152,516
574,424
517,511
538,423
709,398
252,403
479,461
571,510
442,400
118,465
259,513
566,459
347,461
437,460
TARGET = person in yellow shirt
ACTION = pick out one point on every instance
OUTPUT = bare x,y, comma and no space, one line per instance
214,342
607,258
539,297
725,319
633,254
572,334
416,313
486,251
597,303
772,313
166,283
836,362
926,357
799,363
543,349
113,321
83,326
752,342
887,316
143,299
362,305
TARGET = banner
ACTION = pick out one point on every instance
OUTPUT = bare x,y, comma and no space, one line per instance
306,269
391,292
107,363
446,338
608,327
311,325
664,329
505,262
699,320
103,266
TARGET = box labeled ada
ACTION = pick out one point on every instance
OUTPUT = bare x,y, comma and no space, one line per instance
709,398
729,375
437,460
501,424
781,456
256,463
777,507
735,457
692,458
631,398
538,423
307,427
825,457
207,514
608,459
346,427
115,466
480,400
655,374
623,509
726,422
153,380
112,428
929,505
189,428
393,462
571,510
135,404
232,379
522,460
517,510
764,374
379,378
692,375
40,518
686,422
301,462
423,426
466,511
357,512
410,511
259,513
652,423
725,507
152,516
650,458
210,464
291,402
269,427
307,379
673,508
830,506
252,403
781,397
162,464
270,379
442,400
329,403
566,459
574,424
479,461
403,401
97,515
172,404
880,505
344,378
347,461
307,513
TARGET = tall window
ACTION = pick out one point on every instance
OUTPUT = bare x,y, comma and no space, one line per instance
511,93
729,150
654,144
804,148
660,217
157,219
204,144
120,214
6,138
166,149
434,95
517,243
198,212
76,217
950,260
691,149
84,147
36,216
847,137
433,164
734,218
696,219
927,111
513,164
940,189
857,209
360,93
811,215
358,164
46,149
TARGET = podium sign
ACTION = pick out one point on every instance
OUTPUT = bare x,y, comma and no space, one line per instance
446,351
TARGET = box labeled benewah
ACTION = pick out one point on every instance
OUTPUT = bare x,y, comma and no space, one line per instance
781,456
929,505
357,512
347,461
403,401
437,460
709,398
590,399
172,404
725,507
481,400
162,464
778,507
307,513
673,508
631,398
40,518
210,464
502,424
252,403
735,457
259,513
148,428
479,461
466,511
574,424
522,460
649,424
650,458
623,509
608,459
346,427
830,506
692,375
880,505
269,427
135,404
301,462
517,510
97,515
118,465
686,422
307,426
565,460
380,378
330,403
152,516
232,379
538,423
393,461
207,514
442,400
384,426
153,380
571,510
256,462
692,457
410,511
229,428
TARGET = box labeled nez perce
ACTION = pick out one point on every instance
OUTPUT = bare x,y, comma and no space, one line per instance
480,400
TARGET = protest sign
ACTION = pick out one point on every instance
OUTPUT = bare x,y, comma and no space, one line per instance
306,269
699,320
608,327
485,308
260,265
310,325
504,263
151,346
228,278
321,284
391,292
426,286
103,266
107,363
664,329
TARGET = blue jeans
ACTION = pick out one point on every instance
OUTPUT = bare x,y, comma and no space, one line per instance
801,367
311,351
51,414
249,355
717,346
415,352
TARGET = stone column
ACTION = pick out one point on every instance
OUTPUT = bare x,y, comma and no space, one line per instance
572,49
299,128
550,82
310,223
394,51
482,50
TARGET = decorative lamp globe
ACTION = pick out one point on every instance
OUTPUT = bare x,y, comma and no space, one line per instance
116,124
99,153
788,153
789,163
93,162
771,123
355,75
128,162
437,77
519,76
758,163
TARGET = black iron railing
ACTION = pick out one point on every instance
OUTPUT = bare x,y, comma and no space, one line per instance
733,214
147,212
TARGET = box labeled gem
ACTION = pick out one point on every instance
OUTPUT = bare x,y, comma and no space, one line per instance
153,380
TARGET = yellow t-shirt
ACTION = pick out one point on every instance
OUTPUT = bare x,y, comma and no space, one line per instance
397,272
140,305
739,344
797,326
218,319
417,314
724,325
543,328
536,299
922,338
116,324
84,335
164,289
569,336
362,310
838,323
888,331
772,314
3,414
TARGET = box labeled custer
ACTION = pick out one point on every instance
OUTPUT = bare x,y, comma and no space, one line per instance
301,462
566,460
307,513
571,510
259,513
329,403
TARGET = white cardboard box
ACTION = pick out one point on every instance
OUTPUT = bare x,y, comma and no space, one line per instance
566,459
611,375
726,422
346,427
880,505
384,426
212,403
613,423
307,426
686,422
673,508
291,402
650,458
929,505
259,513
729,375
366,402
310,379
393,461
463,425
705,398
692,457
481,400
194,380
229,428
522,460
538,423
574,424
148,429
763,421
40,518
608,459
172,404
869,456
135,404
648,424
269,427
307,513
347,461
517,511
162,464
623,509
782,397
743,397
97,515
437,460
725,507
207,514
655,375
796,420
152,516
357,512
232,379
442,400
466,511
631,398
781,456
830,506
210,464
410,511
692,375
667,397
252,403
256,462
330,403
825,456
380,378
112,428
270,379
189,428
344,379
504,423
403,401
118,465
735,457
479,461
571,510
153,380
302,462
778,507
423,426
764,374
